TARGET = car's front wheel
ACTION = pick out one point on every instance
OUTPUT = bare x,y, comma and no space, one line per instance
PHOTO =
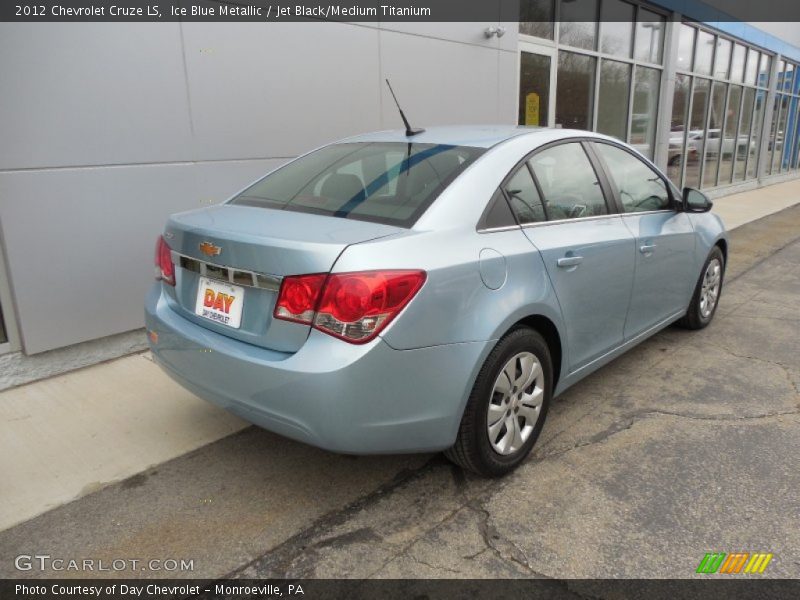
707,292
506,409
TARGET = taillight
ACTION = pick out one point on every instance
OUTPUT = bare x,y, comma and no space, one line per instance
298,297
352,306
165,270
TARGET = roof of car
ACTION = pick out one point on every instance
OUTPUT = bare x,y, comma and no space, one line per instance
481,136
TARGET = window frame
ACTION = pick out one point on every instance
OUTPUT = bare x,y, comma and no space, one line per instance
675,204
610,198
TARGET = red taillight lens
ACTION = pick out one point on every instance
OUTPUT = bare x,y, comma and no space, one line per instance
165,270
298,297
352,306
357,306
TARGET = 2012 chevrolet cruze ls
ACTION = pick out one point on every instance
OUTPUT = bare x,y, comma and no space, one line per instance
434,291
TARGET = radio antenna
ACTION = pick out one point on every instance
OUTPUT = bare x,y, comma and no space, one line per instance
410,131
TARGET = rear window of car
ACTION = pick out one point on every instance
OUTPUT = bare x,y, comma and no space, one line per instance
384,182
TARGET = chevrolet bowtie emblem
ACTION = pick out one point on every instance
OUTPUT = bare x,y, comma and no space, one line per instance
210,249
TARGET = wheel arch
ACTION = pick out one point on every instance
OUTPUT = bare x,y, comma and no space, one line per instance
552,337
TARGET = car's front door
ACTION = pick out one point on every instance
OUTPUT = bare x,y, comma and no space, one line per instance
664,239
587,250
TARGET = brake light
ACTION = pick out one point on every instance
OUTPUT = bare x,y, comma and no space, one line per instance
298,297
165,270
354,307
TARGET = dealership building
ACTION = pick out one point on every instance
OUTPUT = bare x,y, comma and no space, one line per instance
107,128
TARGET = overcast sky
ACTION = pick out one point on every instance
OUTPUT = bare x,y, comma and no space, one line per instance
788,32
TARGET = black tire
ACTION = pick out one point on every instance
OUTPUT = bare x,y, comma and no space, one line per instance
675,160
694,318
473,449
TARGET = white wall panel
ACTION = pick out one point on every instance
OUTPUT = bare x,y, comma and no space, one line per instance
91,94
80,244
438,82
263,90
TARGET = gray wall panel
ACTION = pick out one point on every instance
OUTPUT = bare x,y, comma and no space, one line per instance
80,245
92,94
80,241
275,90
453,84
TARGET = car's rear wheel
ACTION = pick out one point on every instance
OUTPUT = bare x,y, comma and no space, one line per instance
507,407
707,292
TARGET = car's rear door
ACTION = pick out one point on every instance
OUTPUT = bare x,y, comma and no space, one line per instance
586,248
664,239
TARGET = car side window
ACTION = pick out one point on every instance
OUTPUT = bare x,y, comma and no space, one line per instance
640,187
568,182
524,197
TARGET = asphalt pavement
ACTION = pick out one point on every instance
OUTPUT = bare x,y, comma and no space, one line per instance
687,444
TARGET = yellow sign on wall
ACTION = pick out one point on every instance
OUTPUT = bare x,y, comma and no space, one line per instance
532,109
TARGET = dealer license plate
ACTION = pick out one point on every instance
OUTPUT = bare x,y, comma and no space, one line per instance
220,302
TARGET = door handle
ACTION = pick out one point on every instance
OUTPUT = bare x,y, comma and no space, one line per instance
569,261
647,248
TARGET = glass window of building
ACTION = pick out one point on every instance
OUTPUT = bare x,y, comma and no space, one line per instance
616,28
537,18
677,131
612,110
649,36
575,90
743,145
716,121
697,126
647,85
737,63
730,140
722,58
685,47
704,53
578,23
534,89
776,136
763,71
758,121
751,67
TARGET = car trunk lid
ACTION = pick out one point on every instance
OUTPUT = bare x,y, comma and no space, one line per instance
229,262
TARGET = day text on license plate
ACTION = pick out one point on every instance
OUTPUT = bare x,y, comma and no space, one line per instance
220,302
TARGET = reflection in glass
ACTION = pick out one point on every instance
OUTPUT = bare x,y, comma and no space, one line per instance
763,71
776,136
781,83
737,63
742,147
783,132
751,67
722,60
647,84
716,119
729,140
791,138
578,23
685,47
536,18
704,53
791,69
612,108
649,36
575,90
677,133
697,123
616,30
758,122
534,89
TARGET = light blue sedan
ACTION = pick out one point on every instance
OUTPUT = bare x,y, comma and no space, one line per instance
434,291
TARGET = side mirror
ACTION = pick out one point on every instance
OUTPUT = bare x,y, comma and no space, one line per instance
696,201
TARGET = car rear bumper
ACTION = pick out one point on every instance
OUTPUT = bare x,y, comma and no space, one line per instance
359,399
